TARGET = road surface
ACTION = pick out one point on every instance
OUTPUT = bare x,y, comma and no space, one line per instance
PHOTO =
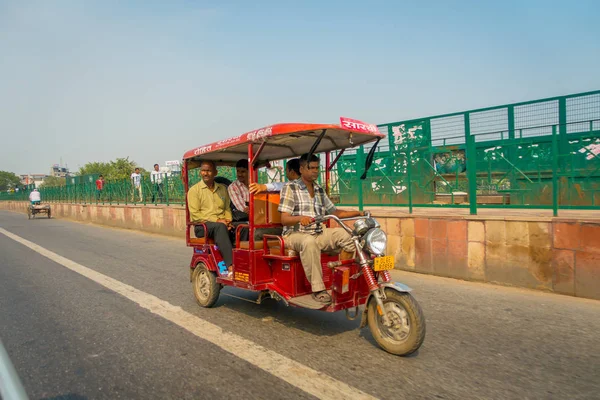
94,312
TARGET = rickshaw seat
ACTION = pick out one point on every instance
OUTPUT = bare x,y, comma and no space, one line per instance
195,241
276,251
198,241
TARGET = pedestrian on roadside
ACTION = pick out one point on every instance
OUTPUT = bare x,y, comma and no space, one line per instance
156,177
99,187
136,180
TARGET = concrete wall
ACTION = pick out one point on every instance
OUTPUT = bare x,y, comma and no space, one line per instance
552,254
157,219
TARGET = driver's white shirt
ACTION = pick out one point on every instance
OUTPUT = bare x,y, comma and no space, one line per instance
35,196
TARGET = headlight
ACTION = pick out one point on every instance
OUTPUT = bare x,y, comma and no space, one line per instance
375,241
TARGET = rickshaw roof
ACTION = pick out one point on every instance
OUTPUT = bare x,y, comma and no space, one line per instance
287,140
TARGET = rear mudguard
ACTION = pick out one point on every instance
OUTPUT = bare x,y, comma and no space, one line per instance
397,286
203,254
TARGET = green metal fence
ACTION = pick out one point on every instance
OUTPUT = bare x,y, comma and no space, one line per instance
538,154
542,154
169,191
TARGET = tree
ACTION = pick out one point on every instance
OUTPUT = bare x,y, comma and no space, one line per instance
119,169
100,168
52,181
8,180
122,168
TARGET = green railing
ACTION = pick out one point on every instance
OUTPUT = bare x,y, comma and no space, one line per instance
542,154
169,191
539,154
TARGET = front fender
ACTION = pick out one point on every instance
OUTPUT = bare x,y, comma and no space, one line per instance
397,286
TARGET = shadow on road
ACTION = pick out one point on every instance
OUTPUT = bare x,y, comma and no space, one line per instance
317,323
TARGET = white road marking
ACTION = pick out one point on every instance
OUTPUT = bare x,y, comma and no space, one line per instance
305,378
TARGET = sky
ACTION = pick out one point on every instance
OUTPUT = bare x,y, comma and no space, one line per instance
84,81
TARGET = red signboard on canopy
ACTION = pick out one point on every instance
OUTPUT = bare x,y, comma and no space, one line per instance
357,125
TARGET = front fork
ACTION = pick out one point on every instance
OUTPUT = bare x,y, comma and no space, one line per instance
376,290
378,294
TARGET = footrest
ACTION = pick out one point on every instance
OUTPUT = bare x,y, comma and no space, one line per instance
307,301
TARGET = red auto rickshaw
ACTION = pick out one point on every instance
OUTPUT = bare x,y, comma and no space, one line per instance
267,268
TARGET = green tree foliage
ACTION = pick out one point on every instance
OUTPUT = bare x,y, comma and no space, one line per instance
8,180
118,169
91,168
121,168
53,181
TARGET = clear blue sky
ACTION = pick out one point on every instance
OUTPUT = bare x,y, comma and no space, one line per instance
92,81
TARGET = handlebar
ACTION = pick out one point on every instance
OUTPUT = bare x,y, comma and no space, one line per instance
322,218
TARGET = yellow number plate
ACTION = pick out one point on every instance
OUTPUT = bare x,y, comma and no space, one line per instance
384,263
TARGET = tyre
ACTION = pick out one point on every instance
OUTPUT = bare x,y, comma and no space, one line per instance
407,330
206,288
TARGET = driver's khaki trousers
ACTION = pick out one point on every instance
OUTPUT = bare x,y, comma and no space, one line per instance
310,247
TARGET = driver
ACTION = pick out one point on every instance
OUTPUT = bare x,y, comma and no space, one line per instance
302,200
35,197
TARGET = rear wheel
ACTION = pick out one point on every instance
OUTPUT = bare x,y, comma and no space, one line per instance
49,214
406,329
28,213
206,288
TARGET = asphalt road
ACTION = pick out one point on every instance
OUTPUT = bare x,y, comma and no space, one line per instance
71,338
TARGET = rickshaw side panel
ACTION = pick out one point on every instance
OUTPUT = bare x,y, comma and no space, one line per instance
285,274
250,267
289,275
241,265
347,293
303,286
261,272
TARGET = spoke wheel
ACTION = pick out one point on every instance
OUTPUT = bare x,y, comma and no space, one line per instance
206,288
405,329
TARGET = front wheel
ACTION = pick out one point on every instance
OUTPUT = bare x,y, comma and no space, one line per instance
406,331
206,288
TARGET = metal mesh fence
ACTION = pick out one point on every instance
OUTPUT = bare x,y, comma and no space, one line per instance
515,155
537,154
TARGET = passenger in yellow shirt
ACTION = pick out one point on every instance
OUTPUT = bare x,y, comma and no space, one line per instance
208,202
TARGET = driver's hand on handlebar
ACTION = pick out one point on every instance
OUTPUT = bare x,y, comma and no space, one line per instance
305,221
